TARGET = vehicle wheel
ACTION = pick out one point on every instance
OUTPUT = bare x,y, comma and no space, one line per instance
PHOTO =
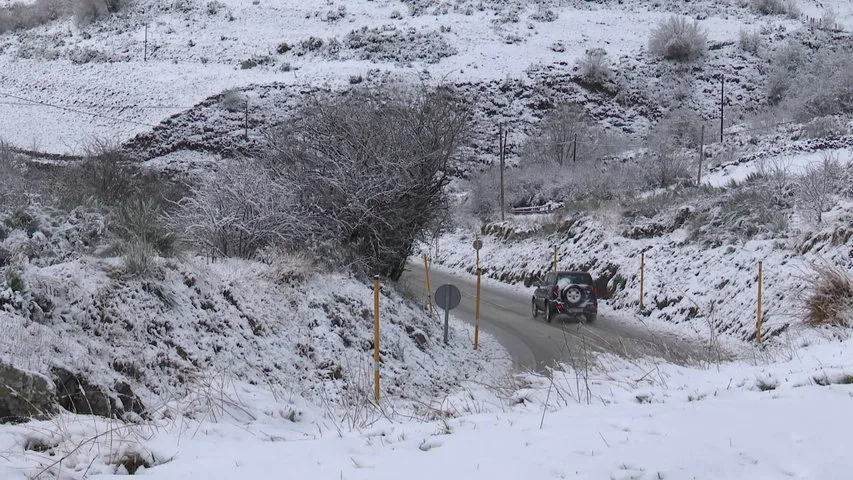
573,295
590,317
534,309
548,313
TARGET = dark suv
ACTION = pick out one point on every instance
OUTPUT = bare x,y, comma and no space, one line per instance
568,293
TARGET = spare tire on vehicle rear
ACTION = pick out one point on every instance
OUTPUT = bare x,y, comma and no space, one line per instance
572,295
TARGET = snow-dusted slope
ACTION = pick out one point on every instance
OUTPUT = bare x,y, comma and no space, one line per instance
104,80
706,285
192,323
611,420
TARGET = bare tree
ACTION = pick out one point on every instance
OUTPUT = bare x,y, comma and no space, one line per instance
567,133
370,167
239,210
817,185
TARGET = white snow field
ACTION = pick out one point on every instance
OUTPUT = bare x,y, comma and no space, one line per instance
270,401
785,417
101,85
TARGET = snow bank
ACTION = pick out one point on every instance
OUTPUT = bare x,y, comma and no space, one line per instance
616,419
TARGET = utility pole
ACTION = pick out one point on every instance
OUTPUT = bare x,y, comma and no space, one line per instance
575,149
246,121
701,155
502,146
145,46
722,102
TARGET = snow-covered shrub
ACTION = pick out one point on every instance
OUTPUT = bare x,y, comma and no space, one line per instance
776,7
12,170
681,127
544,14
595,67
776,173
396,45
829,20
214,6
311,44
824,86
288,268
335,14
667,162
83,55
817,185
749,42
370,169
139,259
21,219
825,127
141,220
233,100
565,133
677,39
564,161
88,11
105,173
830,301
787,62
665,166
650,206
747,212
484,195
283,48
239,210
26,15
184,6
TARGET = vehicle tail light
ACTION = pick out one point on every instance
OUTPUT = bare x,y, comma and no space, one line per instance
592,289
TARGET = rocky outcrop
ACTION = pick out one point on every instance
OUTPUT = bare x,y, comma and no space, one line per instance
76,394
24,395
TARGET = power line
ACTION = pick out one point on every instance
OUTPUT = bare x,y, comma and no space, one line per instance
76,110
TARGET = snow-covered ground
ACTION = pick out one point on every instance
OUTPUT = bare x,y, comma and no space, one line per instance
792,164
612,419
62,84
276,374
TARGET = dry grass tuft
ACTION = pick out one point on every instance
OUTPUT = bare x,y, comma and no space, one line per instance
831,297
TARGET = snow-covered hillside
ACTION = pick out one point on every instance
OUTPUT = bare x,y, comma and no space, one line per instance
251,369
691,278
63,83
193,321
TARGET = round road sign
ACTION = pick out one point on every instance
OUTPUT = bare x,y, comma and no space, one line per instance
478,244
448,297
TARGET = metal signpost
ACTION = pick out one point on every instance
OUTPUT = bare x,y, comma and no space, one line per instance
478,244
447,297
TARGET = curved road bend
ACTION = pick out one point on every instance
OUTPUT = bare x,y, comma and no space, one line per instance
535,344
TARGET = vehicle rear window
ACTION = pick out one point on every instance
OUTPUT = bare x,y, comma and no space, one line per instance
574,278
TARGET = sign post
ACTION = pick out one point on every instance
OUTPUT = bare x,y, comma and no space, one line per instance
642,276
760,310
429,290
447,297
478,244
376,337
555,258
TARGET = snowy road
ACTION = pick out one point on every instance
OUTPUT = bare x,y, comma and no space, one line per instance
534,344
